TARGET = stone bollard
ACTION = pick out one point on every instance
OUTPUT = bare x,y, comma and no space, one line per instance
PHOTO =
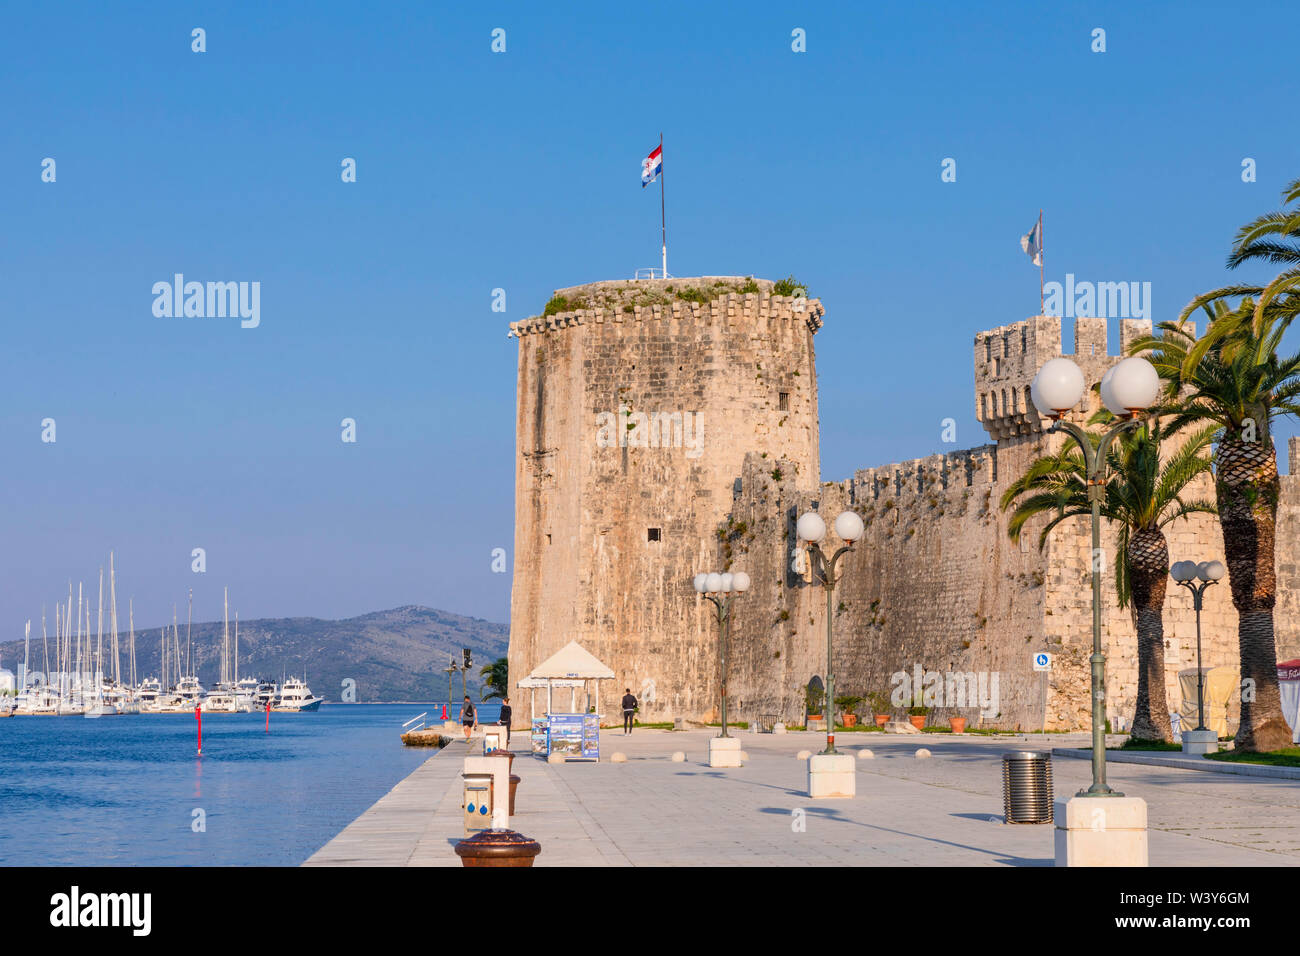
724,752
866,755
832,775
803,755
1101,831
679,757
618,758
922,754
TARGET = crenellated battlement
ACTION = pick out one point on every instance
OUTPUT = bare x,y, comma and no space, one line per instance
652,300
1007,359
968,468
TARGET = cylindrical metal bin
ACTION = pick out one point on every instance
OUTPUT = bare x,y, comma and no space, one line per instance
1027,786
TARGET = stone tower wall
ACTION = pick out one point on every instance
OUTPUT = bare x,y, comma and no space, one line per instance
589,488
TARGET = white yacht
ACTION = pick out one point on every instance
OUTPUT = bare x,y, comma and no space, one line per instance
246,694
220,700
296,697
185,696
149,697
267,692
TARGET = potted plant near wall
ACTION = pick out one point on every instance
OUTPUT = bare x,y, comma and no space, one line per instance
879,707
848,705
813,699
918,711
958,724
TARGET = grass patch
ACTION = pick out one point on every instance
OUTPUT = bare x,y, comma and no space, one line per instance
1286,757
739,724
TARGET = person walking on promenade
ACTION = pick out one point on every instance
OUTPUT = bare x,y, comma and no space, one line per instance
467,716
506,714
629,708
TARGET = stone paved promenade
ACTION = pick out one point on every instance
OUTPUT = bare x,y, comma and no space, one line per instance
944,811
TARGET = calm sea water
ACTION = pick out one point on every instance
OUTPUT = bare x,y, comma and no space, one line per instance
121,791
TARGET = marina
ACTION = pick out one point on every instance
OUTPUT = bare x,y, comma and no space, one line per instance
99,677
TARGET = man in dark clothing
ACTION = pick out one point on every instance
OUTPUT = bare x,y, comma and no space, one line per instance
629,708
467,716
506,714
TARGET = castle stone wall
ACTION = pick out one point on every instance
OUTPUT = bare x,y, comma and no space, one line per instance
936,582
602,463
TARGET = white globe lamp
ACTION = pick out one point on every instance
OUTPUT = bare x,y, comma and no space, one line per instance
1057,387
811,528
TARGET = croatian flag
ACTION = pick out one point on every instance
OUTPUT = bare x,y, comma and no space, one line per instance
652,166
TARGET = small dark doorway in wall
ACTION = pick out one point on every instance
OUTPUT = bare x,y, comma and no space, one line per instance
654,534
783,401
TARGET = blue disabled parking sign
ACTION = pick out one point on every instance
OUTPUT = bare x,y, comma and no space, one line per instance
1042,661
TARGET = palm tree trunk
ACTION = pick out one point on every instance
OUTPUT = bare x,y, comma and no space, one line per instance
1148,561
1247,489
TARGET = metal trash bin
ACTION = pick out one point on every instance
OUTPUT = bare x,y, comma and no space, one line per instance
1027,786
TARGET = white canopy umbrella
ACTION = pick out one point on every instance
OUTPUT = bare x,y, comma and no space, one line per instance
572,666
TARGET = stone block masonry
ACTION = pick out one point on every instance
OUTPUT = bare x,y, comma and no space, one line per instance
610,533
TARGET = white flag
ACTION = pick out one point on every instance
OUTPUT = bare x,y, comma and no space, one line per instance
1032,243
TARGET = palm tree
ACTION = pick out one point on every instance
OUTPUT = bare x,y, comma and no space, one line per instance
1142,497
496,678
1237,384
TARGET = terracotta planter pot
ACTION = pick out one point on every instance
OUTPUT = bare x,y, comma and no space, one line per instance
882,719
850,720
918,720
958,725
814,716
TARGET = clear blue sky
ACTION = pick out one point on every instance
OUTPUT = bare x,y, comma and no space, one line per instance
521,171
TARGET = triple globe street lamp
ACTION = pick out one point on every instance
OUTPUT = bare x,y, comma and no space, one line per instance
1129,388
722,589
1197,577
812,531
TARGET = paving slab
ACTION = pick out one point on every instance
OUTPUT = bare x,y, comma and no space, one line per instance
944,811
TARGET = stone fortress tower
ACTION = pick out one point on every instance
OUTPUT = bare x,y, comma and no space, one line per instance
609,533
637,403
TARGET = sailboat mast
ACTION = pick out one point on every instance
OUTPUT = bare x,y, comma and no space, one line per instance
112,604
131,609
225,634
189,645
99,640
236,647
45,640
27,653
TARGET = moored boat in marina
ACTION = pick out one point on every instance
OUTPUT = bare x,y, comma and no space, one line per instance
296,698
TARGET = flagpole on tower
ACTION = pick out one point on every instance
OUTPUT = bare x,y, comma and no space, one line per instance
1042,259
663,219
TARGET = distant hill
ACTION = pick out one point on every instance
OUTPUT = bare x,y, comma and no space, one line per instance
392,655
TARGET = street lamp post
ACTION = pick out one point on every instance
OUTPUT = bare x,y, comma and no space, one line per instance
451,668
722,589
1127,389
1197,578
812,531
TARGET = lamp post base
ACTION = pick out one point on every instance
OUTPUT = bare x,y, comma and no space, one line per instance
1101,831
724,752
1200,742
832,775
